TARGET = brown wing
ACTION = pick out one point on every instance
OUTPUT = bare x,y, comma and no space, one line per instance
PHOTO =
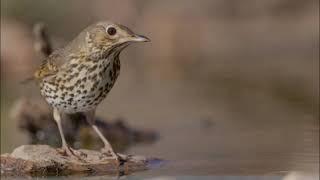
50,66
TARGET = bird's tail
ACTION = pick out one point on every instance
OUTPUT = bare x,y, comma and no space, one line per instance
42,44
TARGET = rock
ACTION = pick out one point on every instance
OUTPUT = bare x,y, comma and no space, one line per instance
43,160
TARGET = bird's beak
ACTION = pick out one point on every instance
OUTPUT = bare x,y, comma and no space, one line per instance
139,38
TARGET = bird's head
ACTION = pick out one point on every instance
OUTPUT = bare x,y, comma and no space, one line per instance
107,36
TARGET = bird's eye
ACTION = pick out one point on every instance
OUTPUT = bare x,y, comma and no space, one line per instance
112,31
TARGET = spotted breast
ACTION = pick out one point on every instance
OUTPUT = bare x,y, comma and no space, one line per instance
80,87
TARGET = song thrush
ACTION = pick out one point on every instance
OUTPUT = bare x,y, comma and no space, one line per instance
79,76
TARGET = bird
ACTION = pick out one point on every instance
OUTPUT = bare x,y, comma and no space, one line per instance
79,76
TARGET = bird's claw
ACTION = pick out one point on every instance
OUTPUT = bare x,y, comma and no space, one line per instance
110,153
68,151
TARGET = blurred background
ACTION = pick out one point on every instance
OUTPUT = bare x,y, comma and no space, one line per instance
225,83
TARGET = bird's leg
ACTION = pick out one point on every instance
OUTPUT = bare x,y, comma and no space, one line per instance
107,149
65,147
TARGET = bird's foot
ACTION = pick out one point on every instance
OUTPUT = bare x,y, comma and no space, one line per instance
68,151
120,159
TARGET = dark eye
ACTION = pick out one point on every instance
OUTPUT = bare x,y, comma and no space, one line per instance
112,31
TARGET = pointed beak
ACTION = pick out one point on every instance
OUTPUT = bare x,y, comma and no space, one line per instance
139,38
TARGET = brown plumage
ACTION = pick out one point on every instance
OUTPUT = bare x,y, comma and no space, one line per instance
79,76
